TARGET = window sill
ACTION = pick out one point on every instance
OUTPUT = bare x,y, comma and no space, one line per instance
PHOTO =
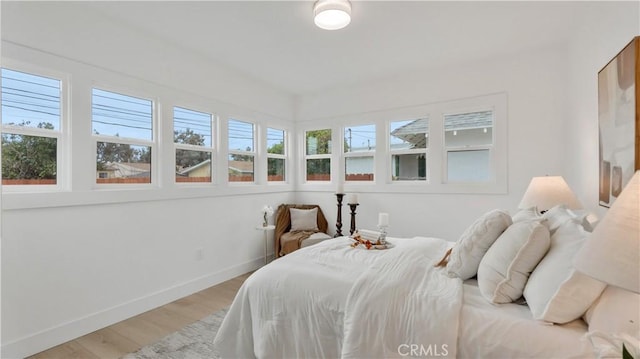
27,200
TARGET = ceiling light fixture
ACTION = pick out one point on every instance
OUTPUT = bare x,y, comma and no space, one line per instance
332,14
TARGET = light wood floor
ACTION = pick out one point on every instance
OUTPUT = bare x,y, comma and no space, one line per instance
134,333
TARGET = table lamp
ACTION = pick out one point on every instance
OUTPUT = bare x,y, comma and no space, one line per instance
612,253
547,192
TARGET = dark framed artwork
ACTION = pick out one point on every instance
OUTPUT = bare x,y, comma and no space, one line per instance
619,121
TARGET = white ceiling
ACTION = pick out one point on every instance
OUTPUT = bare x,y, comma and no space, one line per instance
277,42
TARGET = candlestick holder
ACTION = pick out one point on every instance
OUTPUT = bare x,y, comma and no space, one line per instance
353,217
339,197
383,234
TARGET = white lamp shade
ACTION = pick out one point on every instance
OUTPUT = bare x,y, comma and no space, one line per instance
332,14
612,253
547,192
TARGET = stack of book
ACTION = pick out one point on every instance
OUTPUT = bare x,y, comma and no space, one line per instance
366,234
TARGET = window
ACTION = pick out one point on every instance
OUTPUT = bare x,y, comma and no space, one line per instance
123,128
31,128
468,141
192,135
276,155
409,143
318,155
359,147
241,151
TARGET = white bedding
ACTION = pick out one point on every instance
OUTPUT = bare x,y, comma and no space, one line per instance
331,301
509,331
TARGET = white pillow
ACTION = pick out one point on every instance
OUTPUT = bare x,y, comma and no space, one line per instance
304,219
527,214
556,216
474,243
504,270
556,292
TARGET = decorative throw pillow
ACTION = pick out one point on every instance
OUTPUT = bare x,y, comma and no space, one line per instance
504,270
474,243
555,291
527,214
304,219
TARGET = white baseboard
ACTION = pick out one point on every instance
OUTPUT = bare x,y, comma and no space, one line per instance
48,338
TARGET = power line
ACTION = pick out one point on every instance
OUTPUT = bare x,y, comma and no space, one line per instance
4,78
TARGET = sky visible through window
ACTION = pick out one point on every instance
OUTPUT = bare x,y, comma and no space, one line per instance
29,100
199,123
360,138
240,135
121,115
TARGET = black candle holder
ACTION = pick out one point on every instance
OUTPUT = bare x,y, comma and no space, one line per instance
353,217
339,196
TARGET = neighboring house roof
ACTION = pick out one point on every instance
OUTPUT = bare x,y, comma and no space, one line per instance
466,121
414,132
129,169
241,166
186,171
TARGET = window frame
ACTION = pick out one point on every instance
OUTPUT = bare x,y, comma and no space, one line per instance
61,135
416,151
253,153
283,156
434,183
209,149
490,147
368,153
154,172
316,156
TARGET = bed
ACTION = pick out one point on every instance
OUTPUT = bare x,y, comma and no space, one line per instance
334,301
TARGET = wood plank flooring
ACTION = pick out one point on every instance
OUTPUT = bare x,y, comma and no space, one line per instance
134,333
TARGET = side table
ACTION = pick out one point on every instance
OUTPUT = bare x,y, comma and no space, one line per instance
266,230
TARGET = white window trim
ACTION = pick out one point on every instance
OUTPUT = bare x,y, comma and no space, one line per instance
436,175
63,178
368,153
76,172
305,157
284,156
182,146
155,171
416,151
253,153
497,183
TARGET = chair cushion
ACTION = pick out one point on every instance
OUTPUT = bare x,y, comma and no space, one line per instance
314,239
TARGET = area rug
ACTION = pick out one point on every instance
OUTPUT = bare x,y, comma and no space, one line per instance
194,341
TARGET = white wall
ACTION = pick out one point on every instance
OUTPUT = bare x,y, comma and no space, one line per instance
75,31
71,270
535,84
76,261
599,35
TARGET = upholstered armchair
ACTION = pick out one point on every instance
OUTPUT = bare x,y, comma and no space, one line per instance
300,231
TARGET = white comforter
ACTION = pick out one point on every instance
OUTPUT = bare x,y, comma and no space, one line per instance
331,301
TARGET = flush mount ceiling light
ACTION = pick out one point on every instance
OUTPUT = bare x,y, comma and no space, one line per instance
332,14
